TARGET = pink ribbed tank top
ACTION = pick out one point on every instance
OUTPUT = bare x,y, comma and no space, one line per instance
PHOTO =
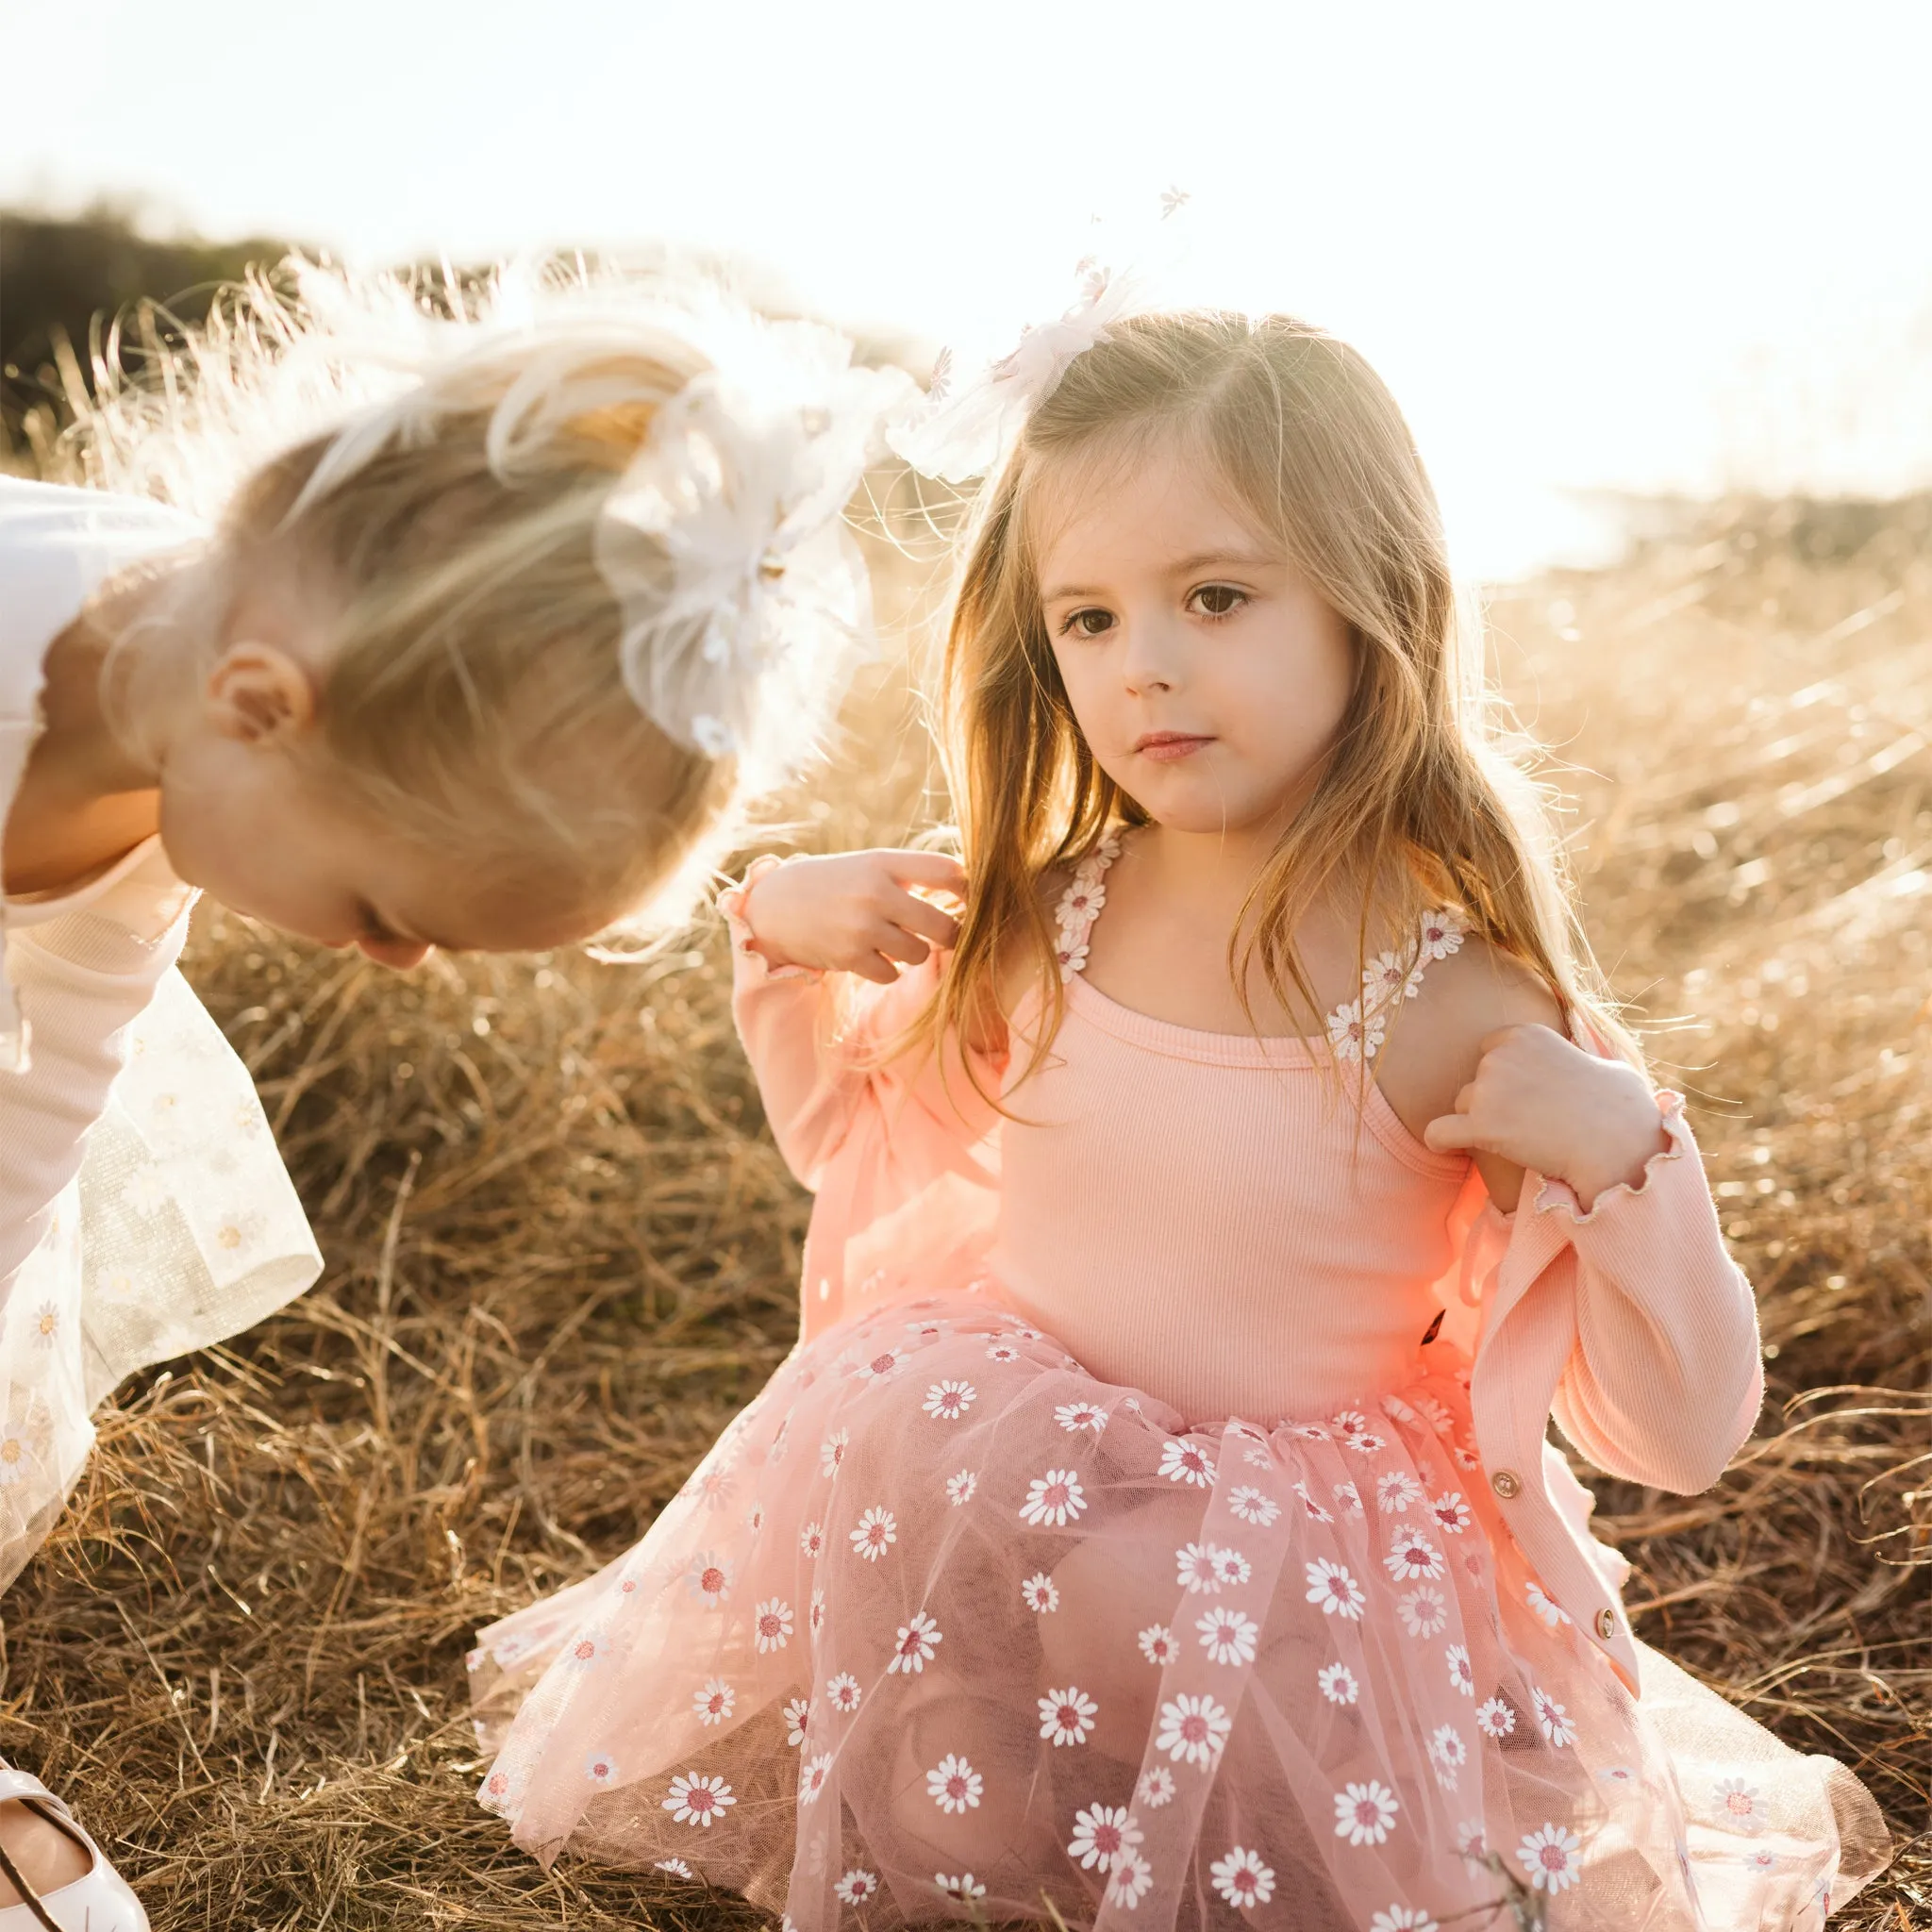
1214,1217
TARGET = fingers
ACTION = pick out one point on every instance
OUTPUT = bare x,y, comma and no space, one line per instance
881,972
1450,1133
935,870
882,936
922,917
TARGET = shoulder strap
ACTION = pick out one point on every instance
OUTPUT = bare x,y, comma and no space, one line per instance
1080,905
1356,1031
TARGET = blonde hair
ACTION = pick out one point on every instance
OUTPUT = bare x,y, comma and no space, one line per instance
434,457
1422,795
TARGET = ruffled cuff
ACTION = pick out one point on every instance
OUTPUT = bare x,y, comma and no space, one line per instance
1614,1201
749,966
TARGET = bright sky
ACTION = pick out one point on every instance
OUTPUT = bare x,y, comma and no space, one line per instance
1621,244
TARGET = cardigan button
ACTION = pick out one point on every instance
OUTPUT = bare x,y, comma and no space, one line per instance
1605,1624
1507,1484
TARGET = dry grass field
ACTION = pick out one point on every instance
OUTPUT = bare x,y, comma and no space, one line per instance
562,1248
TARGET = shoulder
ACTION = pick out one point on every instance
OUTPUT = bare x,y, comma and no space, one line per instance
1436,1041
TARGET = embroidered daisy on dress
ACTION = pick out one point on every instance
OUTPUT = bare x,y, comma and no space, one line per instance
816,1615
913,1643
1228,1637
1387,980
1154,1788
843,1692
797,1715
1183,1462
1495,1718
946,1402
1230,1566
1558,1726
1127,1883
772,1624
1740,1804
1241,1879
1338,1682
1067,1716
812,1540
677,1867
878,1531
857,1886
1193,1730
1448,1752
1471,1840
960,1488
1365,1813
700,1801
883,1366
1413,1555
1080,1415
952,1783
1103,1835
1545,1606
1424,1612
832,1452
601,1768
1549,1856
964,1888
714,1702
1400,1917
1356,1036
1055,1498
1451,1513
1396,1490
1349,1498
1040,1593
1331,1586
1312,1508
585,1649
812,1778
1253,1505
1002,1351
1457,1656
1441,933
1157,1645
1196,1569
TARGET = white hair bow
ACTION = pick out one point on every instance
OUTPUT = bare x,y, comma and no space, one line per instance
746,601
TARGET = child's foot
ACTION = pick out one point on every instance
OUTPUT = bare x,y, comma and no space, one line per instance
59,1882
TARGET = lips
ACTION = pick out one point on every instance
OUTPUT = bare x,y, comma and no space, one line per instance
1165,747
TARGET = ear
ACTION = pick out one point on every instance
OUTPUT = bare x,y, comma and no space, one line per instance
261,696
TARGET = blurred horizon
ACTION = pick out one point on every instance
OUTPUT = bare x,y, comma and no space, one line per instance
1653,252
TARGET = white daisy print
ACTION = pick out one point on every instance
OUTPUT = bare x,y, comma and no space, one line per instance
1254,1505
1545,1606
1356,1036
1230,1566
1257,1458
914,1645
952,1783
1365,1813
46,1324
696,1799
1193,1730
1396,1490
1549,1858
1228,1637
1367,1443
812,1540
857,1886
583,1650
708,1579
843,1692
1241,1879
816,1615
832,1452
878,1531
1456,1657
1471,1840
1055,1498
1103,1835
1349,1498
1040,1593
1740,1804
797,1715
1072,1416
1184,1462
965,1888
960,1488
1413,1555
946,1402
1495,1718
1313,1511
1067,1716
1759,1859
1441,933
714,1702
1002,1351
677,1867
1195,1568
812,1777
1331,1586
1400,1917
883,1366
1348,1421
1558,1726
1425,1613
1338,1684
1154,1788
601,1768
1618,1774
1451,1513
1129,1882
772,1624
1387,978
1157,1645
1448,1752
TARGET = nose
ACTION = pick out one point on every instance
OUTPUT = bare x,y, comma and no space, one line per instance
1149,664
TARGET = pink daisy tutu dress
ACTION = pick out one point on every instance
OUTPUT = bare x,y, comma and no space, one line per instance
1154,1525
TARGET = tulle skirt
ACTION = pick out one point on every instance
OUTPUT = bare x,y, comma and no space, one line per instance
945,1627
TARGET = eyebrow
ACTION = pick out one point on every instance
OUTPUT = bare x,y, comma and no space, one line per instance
1181,567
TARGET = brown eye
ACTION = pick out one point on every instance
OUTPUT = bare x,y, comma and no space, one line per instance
1086,624
1219,600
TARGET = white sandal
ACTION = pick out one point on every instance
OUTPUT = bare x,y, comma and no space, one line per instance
99,1902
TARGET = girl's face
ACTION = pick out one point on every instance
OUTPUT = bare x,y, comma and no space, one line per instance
1204,670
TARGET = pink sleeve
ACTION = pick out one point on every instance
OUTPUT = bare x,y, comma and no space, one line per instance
815,1042
1639,1301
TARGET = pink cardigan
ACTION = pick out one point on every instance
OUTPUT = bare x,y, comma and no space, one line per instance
1630,1323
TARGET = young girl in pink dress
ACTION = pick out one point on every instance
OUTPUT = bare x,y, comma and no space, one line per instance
1154,1525
468,631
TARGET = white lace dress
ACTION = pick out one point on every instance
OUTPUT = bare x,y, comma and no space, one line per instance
144,1208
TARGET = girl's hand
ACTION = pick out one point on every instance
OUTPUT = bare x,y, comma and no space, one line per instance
854,912
1538,1102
